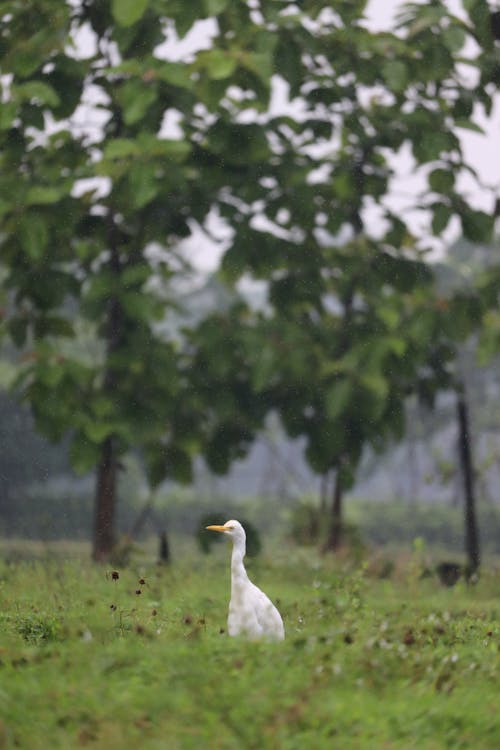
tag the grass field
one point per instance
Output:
(368, 662)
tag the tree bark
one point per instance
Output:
(107, 469)
(334, 538)
(164, 549)
(467, 467)
(105, 503)
(323, 492)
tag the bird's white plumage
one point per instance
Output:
(251, 612)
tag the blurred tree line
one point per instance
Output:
(114, 150)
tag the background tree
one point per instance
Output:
(353, 283)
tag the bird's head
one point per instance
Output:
(234, 529)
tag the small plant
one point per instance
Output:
(126, 618)
(36, 628)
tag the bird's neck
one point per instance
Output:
(238, 572)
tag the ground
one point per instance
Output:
(143, 660)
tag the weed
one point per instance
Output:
(39, 628)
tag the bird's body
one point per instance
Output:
(251, 612)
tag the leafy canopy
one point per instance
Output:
(92, 215)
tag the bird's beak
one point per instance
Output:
(217, 528)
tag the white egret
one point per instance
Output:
(251, 613)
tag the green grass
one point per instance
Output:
(85, 661)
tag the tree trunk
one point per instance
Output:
(466, 463)
(323, 492)
(141, 519)
(334, 539)
(105, 503)
(164, 549)
(105, 495)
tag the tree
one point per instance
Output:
(292, 188)
(92, 250)
(399, 91)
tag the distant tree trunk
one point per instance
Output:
(105, 503)
(323, 492)
(141, 519)
(334, 538)
(164, 549)
(105, 496)
(467, 467)
(414, 472)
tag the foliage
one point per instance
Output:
(352, 322)
(92, 218)
(400, 662)
(36, 628)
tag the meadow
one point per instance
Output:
(375, 656)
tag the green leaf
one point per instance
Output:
(395, 74)
(8, 111)
(389, 315)
(50, 375)
(214, 7)
(128, 12)
(397, 345)
(171, 149)
(376, 383)
(37, 90)
(466, 124)
(233, 265)
(430, 144)
(260, 63)
(337, 398)
(120, 148)
(343, 185)
(143, 184)
(453, 38)
(185, 15)
(442, 180)
(98, 431)
(264, 368)
(38, 195)
(218, 63)
(178, 464)
(33, 234)
(67, 79)
(441, 217)
(177, 74)
(135, 97)
(83, 453)
(238, 144)
(477, 225)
